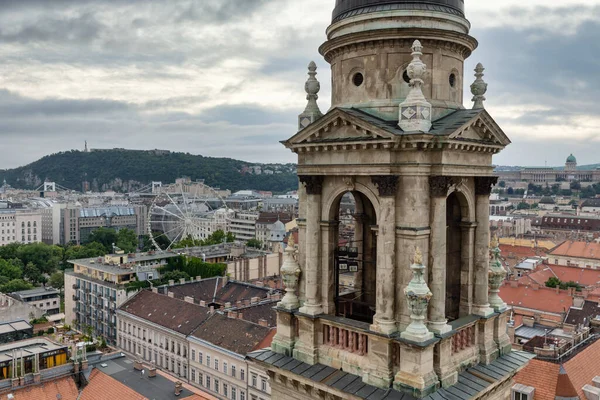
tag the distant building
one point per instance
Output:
(95, 288)
(20, 226)
(243, 225)
(15, 330)
(577, 254)
(265, 222)
(32, 356)
(567, 222)
(12, 309)
(44, 298)
(590, 206)
(542, 175)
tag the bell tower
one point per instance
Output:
(392, 290)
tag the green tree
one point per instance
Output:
(32, 273)
(575, 185)
(45, 257)
(105, 236)
(89, 250)
(10, 270)
(9, 251)
(523, 206)
(510, 191)
(127, 240)
(552, 282)
(15, 285)
(502, 184)
(254, 243)
(57, 280)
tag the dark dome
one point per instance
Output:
(349, 8)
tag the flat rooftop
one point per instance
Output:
(125, 268)
(14, 326)
(24, 294)
(28, 347)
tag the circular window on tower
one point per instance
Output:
(358, 79)
(452, 79)
(406, 77)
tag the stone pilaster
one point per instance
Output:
(285, 339)
(439, 186)
(466, 269)
(500, 333)
(384, 320)
(483, 189)
(314, 186)
(416, 374)
(488, 350)
(307, 343)
(328, 246)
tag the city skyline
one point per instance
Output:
(97, 71)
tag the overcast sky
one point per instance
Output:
(225, 77)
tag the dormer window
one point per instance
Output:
(522, 392)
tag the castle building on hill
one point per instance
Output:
(540, 175)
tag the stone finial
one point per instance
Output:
(496, 275)
(479, 88)
(291, 240)
(312, 86)
(290, 272)
(415, 110)
(418, 295)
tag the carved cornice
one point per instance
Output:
(313, 183)
(483, 185)
(439, 185)
(386, 184)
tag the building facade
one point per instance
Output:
(95, 288)
(20, 226)
(424, 313)
(43, 298)
(243, 225)
(542, 175)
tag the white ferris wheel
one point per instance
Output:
(186, 210)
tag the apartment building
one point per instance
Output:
(243, 225)
(95, 288)
(20, 225)
(43, 298)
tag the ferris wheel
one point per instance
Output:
(186, 210)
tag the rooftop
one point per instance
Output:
(13, 326)
(99, 264)
(174, 314)
(28, 346)
(583, 276)
(578, 250)
(62, 388)
(542, 299)
(24, 294)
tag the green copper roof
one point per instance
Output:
(571, 159)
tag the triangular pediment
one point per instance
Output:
(482, 129)
(339, 126)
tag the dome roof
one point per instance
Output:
(571, 159)
(349, 8)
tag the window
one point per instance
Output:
(200, 357)
(253, 378)
(208, 381)
(358, 79)
(201, 378)
(208, 360)
(225, 390)
(216, 385)
(233, 371)
(263, 384)
(193, 354)
(242, 395)
(224, 367)
(233, 393)
(242, 374)
(193, 375)
(522, 392)
(217, 364)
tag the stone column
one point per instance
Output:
(384, 320)
(466, 268)
(483, 189)
(312, 245)
(327, 266)
(439, 186)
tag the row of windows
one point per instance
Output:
(138, 332)
(216, 365)
(565, 220)
(216, 386)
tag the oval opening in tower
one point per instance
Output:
(406, 77)
(358, 79)
(452, 80)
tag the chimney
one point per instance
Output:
(154, 290)
(225, 279)
(263, 322)
(585, 293)
(254, 300)
(198, 278)
(238, 303)
(231, 314)
(246, 302)
(188, 299)
(171, 282)
(211, 310)
(571, 291)
(171, 294)
(178, 388)
(228, 305)
(202, 303)
(535, 286)
(182, 281)
(557, 289)
(596, 381)
(240, 315)
(259, 283)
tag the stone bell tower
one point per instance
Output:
(422, 313)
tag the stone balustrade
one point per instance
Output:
(463, 339)
(346, 339)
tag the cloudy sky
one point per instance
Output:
(225, 78)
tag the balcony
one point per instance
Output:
(345, 339)
(75, 286)
(75, 297)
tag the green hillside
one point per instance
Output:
(125, 170)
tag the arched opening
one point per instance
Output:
(355, 257)
(453, 256)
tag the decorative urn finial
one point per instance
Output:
(290, 272)
(479, 88)
(496, 275)
(312, 86)
(418, 295)
(415, 110)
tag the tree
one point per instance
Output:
(32, 273)
(15, 285)
(10, 270)
(9, 251)
(575, 185)
(105, 236)
(502, 184)
(127, 240)
(254, 243)
(89, 250)
(510, 191)
(552, 282)
(523, 206)
(57, 280)
(45, 257)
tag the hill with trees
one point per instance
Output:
(127, 170)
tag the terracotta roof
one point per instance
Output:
(543, 299)
(509, 251)
(168, 312)
(578, 250)
(66, 387)
(541, 244)
(583, 276)
(103, 387)
(233, 334)
(584, 367)
(254, 313)
(541, 375)
(564, 386)
(271, 217)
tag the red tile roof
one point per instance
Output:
(541, 375)
(543, 299)
(585, 277)
(49, 390)
(578, 250)
(584, 367)
(103, 387)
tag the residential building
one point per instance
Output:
(567, 222)
(279, 204)
(254, 266)
(576, 254)
(20, 226)
(243, 225)
(95, 288)
(265, 222)
(12, 309)
(590, 206)
(44, 298)
(51, 222)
